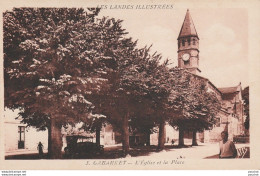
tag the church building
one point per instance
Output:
(231, 114)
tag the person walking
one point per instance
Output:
(40, 149)
(227, 147)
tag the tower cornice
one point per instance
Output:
(184, 37)
(180, 50)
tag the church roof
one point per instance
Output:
(188, 28)
(228, 90)
(206, 79)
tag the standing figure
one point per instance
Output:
(227, 147)
(172, 142)
(40, 149)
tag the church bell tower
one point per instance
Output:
(188, 46)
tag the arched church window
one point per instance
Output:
(183, 42)
(194, 42)
(188, 41)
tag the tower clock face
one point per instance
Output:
(185, 57)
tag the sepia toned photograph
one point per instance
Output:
(126, 85)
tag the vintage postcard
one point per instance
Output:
(130, 85)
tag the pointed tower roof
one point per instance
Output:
(188, 28)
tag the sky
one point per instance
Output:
(223, 34)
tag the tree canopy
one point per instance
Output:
(55, 59)
(195, 106)
(64, 66)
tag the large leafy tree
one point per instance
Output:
(157, 90)
(195, 106)
(55, 60)
(133, 87)
(163, 106)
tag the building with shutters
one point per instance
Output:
(19, 137)
(22, 139)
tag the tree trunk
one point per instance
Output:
(49, 141)
(98, 135)
(125, 137)
(148, 138)
(161, 139)
(194, 138)
(56, 140)
(181, 137)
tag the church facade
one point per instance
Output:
(231, 115)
